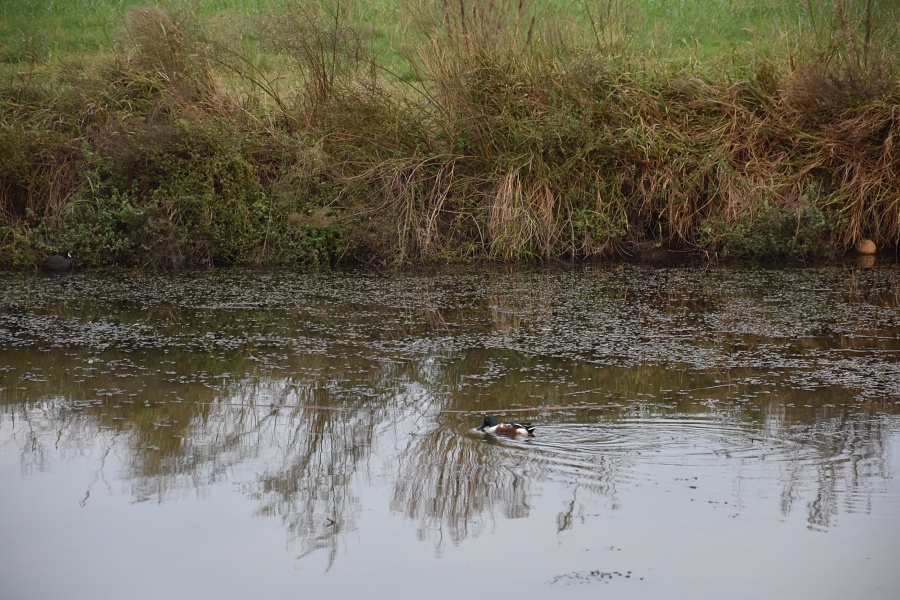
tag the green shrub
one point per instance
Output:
(18, 247)
(103, 231)
(775, 233)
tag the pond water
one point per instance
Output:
(701, 433)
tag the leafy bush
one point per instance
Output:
(775, 233)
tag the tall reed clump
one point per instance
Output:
(847, 106)
(541, 150)
(502, 160)
(536, 148)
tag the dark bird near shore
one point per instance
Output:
(57, 262)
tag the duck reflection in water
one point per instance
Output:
(492, 426)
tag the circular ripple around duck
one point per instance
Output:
(643, 449)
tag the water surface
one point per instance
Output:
(702, 433)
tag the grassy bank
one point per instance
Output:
(240, 132)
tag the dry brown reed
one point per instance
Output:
(168, 52)
(681, 161)
(40, 178)
(520, 219)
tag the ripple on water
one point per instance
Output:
(660, 438)
(791, 463)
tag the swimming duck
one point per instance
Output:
(57, 262)
(491, 425)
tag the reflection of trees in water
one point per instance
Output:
(43, 431)
(454, 484)
(838, 461)
(451, 484)
(320, 445)
(856, 449)
(590, 478)
(309, 484)
(310, 456)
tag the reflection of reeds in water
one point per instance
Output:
(862, 290)
(512, 304)
(451, 484)
(837, 460)
(310, 488)
(857, 451)
(308, 483)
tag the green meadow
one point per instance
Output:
(187, 134)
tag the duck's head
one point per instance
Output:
(488, 422)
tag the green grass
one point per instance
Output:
(709, 32)
(36, 31)
(39, 30)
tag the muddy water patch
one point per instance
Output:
(693, 427)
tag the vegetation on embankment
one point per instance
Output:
(467, 130)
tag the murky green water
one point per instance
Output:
(724, 433)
